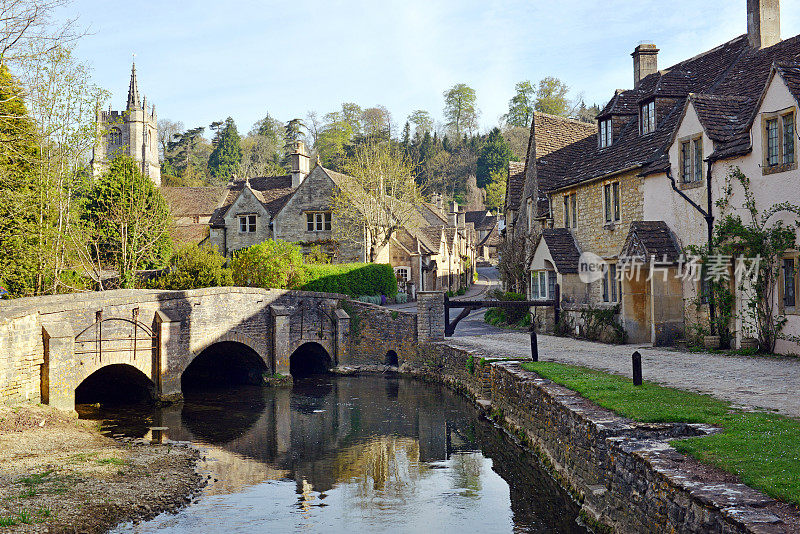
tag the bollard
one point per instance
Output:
(534, 345)
(637, 369)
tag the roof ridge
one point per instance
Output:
(565, 119)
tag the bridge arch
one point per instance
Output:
(116, 383)
(224, 363)
(310, 358)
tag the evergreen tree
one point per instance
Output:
(493, 156)
(406, 140)
(226, 157)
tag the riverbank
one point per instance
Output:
(625, 473)
(60, 474)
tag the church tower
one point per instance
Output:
(133, 132)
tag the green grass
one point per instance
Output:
(111, 461)
(762, 449)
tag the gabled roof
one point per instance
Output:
(271, 191)
(563, 249)
(188, 201)
(515, 184)
(482, 219)
(431, 237)
(189, 234)
(651, 239)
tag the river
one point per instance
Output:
(348, 454)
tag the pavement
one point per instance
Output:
(750, 382)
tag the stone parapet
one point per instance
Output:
(430, 315)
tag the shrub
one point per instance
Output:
(271, 264)
(461, 291)
(352, 279)
(193, 267)
(401, 298)
(514, 315)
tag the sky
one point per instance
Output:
(200, 61)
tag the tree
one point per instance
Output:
(496, 193)
(128, 222)
(270, 264)
(493, 157)
(377, 123)
(167, 130)
(422, 121)
(194, 267)
(551, 97)
(517, 140)
(376, 199)
(460, 109)
(226, 158)
(334, 136)
(187, 156)
(520, 107)
(586, 114)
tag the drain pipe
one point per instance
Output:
(709, 217)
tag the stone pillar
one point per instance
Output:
(430, 316)
(280, 339)
(58, 378)
(168, 338)
(342, 341)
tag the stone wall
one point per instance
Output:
(625, 474)
(246, 204)
(374, 331)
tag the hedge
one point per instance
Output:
(354, 279)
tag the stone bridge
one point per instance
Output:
(52, 346)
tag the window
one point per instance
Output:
(611, 202)
(543, 285)
(571, 210)
(612, 286)
(115, 136)
(529, 213)
(779, 142)
(692, 160)
(402, 274)
(247, 224)
(788, 283)
(648, 117)
(606, 133)
(318, 221)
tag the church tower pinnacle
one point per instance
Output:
(133, 91)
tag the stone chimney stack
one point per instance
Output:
(300, 163)
(645, 62)
(454, 214)
(763, 23)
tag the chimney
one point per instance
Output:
(454, 214)
(300, 163)
(645, 62)
(763, 23)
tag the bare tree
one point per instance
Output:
(167, 130)
(376, 199)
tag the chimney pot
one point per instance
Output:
(763, 23)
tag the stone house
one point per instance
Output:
(297, 208)
(626, 192)
(486, 233)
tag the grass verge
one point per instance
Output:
(762, 449)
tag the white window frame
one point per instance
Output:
(319, 221)
(404, 271)
(647, 117)
(247, 224)
(606, 136)
(540, 284)
(612, 208)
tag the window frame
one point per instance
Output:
(612, 203)
(406, 273)
(779, 143)
(647, 117)
(115, 136)
(786, 305)
(605, 136)
(571, 210)
(248, 223)
(319, 221)
(690, 156)
(612, 292)
(542, 284)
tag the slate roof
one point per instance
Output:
(563, 249)
(482, 219)
(515, 184)
(431, 237)
(271, 191)
(648, 239)
(189, 234)
(188, 201)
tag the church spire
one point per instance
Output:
(133, 91)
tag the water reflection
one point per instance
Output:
(344, 454)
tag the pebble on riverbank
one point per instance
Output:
(59, 474)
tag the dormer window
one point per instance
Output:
(606, 133)
(648, 117)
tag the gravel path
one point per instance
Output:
(752, 382)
